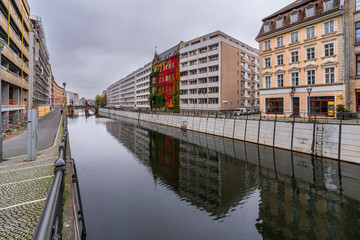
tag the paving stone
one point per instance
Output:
(20, 222)
(23, 192)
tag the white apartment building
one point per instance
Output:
(142, 86)
(132, 90)
(218, 72)
(113, 94)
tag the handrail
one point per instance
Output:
(80, 216)
(49, 226)
(50, 223)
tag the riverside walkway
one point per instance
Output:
(24, 185)
(48, 126)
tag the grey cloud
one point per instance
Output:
(94, 43)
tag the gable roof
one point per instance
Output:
(289, 7)
(168, 53)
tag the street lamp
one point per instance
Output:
(292, 93)
(309, 89)
(2, 44)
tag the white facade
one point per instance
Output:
(113, 94)
(142, 86)
(72, 98)
(132, 90)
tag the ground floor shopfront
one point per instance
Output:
(322, 100)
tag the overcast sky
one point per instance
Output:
(94, 43)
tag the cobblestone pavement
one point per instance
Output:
(23, 190)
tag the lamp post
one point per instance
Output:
(292, 93)
(2, 44)
(309, 89)
(64, 84)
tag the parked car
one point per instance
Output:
(251, 111)
(118, 107)
(137, 109)
(240, 111)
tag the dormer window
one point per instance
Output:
(267, 27)
(310, 10)
(279, 22)
(328, 4)
(294, 17)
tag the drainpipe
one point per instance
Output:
(348, 53)
(344, 45)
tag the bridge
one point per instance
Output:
(89, 110)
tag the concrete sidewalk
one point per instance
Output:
(48, 127)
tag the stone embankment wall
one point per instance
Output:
(327, 140)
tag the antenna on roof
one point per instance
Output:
(155, 49)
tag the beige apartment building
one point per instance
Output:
(302, 59)
(57, 94)
(14, 60)
(218, 72)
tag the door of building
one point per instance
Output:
(358, 101)
(296, 106)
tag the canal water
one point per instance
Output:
(144, 181)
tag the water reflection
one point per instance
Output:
(300, 197)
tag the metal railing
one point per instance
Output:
(50, 223)
(77, 195)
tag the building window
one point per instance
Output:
(279, 22)
(311, 77)
(357, 65)
(267, 82)
(329, 75)
(267, 62)
(280, 80)
(357, 32)
(274, 105)
(294, 57)
(267, 45)
(358, 101)
(310, 11)
(267, 27)
(310, 32)
(280, 60)
(294, 37)
(294, 17)
(328, 49)
(294, 79)
(280, 41)
(310, 53)
(329, 27)
(328, 4)
(357, 5)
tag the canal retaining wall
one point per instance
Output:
(327, 140)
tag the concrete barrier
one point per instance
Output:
(266, 134)
(299, 136)
(219, 127)
(203, 125)
(252, 131)
(350, 142)
(210, 128)
(229, 128)
(330, 147)
(239, 131)
(283, 135)
(303, 137)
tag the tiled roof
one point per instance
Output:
(168, 53)
(289, 7)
